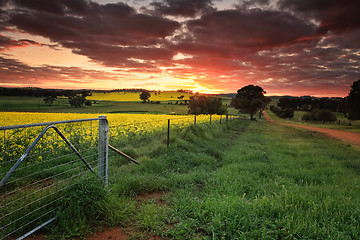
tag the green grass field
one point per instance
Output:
(34, 104)
(241, 180)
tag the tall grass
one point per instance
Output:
(250, 180)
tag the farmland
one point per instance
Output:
(35, 104)
(102, 103)
(134, 96)
(235, 180)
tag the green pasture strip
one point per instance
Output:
(244, 180)
(351, 128)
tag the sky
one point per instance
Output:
(288, 47)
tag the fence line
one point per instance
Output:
(32, 192)
(38, 166)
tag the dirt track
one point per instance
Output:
(349, 137)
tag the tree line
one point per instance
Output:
(249, 99)
(76, 98)
(320, 109)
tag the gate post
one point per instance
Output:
(103, 148)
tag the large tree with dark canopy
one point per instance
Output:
(250, 99)
(206, 105)
(144, 96)
(353, 101)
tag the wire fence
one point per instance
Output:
(122, 135)
(38, 166)
(40, 162)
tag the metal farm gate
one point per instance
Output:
(38, 165)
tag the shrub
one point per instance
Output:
(283, 113)
(319, 115)
(325, 115)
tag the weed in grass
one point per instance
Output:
(119, 210)
(152, 217)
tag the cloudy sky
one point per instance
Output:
(292, 47)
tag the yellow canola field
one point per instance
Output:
(135, 96)
(115, 119)
(83, 135)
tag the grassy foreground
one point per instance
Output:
(242, 180)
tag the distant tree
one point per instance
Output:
(144, 96)
(49, 100)
(77, 100)
(283, 113)
(205, 105)
(250, 99)
(289, 102)
(353, 101)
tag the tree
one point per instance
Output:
(283, 113)
(250, 99)
(144, 96)
(77, 100)
(353, 101)
(49, 100)
(205, 105)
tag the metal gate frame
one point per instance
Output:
(103, 142)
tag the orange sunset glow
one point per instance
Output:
(308, 47)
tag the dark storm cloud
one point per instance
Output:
(334, 15)
(186, 8)
(125, 57)
(79, 24)
(111, 24)
(59, 7)
(244, 30)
